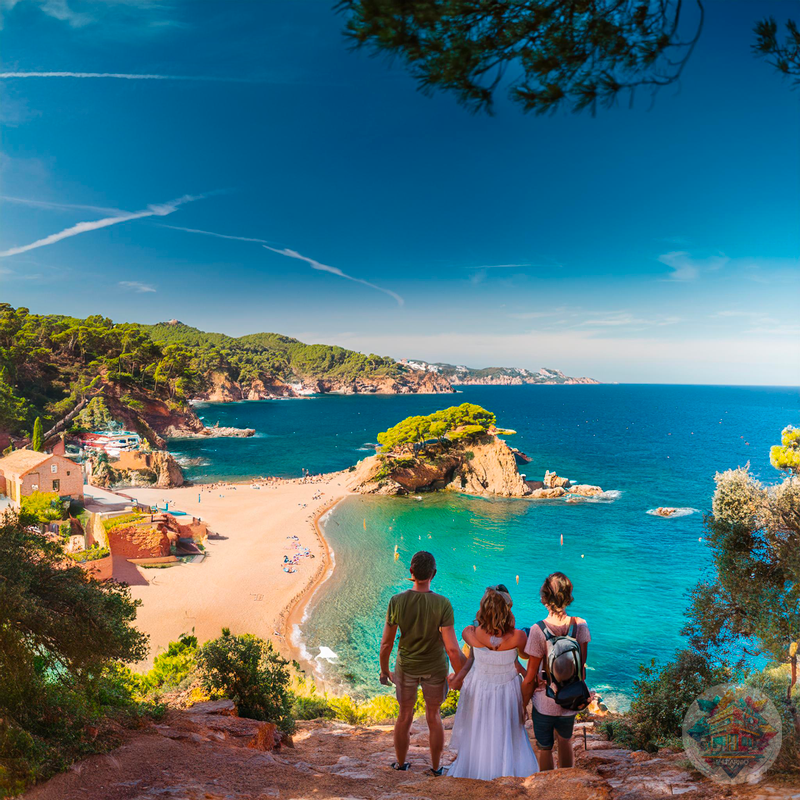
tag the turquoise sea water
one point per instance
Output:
(647, 445)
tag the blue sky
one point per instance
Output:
(646, 245)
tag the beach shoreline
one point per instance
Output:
(241, 584)
(294, 613)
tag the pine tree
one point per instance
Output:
(37, 441)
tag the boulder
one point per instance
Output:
(585, 490)
(547, 493)
(665, 511)
(553, 481)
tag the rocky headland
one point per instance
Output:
(457, 449)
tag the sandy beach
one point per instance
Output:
(240, 584)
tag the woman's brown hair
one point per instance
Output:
(556, 592)
(494, 615)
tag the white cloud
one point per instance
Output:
(158, 210)
(334, 271)
(687, 268)
(136, 286)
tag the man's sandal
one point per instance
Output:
(401, 768)
(437, 773)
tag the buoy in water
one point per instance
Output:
(474, 568)
(582, 555)
(517, 580)
(562, 538)
(365, 523)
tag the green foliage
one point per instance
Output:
(61, 635)
(752, 595)
(661, 697)
(37, 438)
(457, 422)
(575, 53)
(49, 363)
(95, 416)
(774, 682)
(173, 668)
(249, 671)
(786, 455)
(783, 55)
(92, 554)
(122, 520)
(42, 507)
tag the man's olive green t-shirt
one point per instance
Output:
(420, 615)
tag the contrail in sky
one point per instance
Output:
(59, 206)
(156, 210)
(217, 235)
(335, 271)
(127, 76)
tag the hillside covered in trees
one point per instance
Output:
(50, 363)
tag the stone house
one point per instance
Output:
(26, 471)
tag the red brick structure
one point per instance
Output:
(139, 541)
(26, 471)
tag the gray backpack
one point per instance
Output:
(570, 692)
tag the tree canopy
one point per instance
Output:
(576, 54)
(753, 595)
(49, 363)
(786, 455)
(60, 632)
(456, 422)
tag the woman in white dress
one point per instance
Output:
(488, 731)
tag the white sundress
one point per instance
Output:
(488, 731)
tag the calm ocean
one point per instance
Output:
(647, 446)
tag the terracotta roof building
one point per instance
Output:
(26, 471)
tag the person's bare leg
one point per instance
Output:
(435, 733)
(545, 760)
(402, 734)
(566, 756)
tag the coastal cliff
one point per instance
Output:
(221, 388)
(496, 376)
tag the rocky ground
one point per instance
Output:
(206, 753)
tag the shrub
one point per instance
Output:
(250, 672)
(42, 507)
(92, 554)
(62, 633)
(774, 682)
(662, 696)
(174, 667)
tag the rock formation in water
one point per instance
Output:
(483, 466)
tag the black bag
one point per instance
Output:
(573, 693)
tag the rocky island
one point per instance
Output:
(458, 449)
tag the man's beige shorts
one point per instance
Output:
(434, 688)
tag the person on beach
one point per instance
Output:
(489, 732)
(552, 722)
(427, 640)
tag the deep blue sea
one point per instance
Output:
(647, 446)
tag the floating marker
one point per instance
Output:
(517, 580)
(582, 555)
(562, 538)
(365, 523)
(474, 568)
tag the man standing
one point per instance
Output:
(427, 638)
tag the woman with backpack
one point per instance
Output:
(556, 673)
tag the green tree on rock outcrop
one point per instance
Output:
(457, 422)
